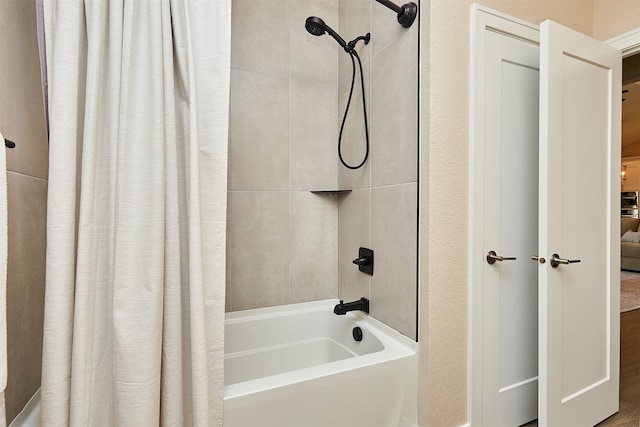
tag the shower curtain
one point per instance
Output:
(134, 308)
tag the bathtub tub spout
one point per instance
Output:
(362, 304)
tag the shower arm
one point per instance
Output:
(406, 13)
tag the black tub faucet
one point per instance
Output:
(362, 304)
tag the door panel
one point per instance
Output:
(505, 292)
(511, 176)
(578, 219)
(516, 290)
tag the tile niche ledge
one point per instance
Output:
(331, 193)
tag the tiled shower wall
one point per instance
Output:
(288, 93)
(282, 240)
(381, 211)
(22, 121)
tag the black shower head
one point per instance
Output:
(317, 27)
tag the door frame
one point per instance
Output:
(628, 43)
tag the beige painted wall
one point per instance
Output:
(612, 18)
(444, 181)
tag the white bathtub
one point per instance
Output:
(299, 365)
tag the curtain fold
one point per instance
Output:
(134, 309)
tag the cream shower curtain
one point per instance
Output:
(138, 103)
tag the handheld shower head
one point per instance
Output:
(317, 27)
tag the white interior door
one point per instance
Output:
(511, 226)
(579, 328)
(578, 303)
(505, 186)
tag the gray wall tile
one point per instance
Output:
(354, 232)
(313, 135)
(27, 216)
(258, 132)
(394, 112)
(384, 24)
(310, 57)
(314, 247)
(22, 108)
(316, 227)
(22, 120)
(260, 36)
(354, 135)
(355, 21)
(394, 239)
(259, 247)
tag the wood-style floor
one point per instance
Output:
(629, 413)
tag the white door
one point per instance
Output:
(506, 291)
(578, 213)
(579, 323)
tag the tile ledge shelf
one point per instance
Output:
(330, 193)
